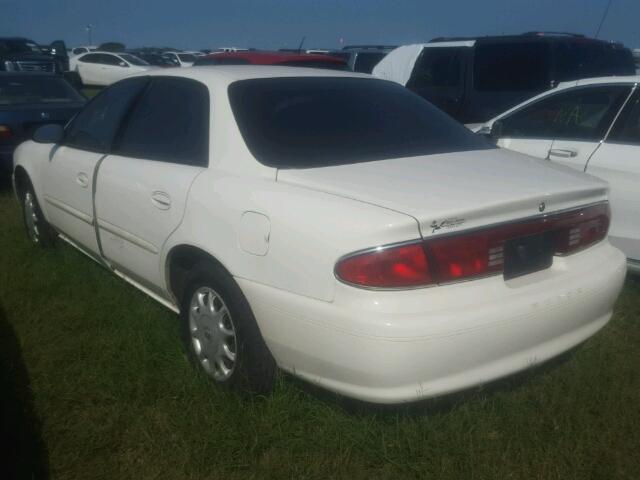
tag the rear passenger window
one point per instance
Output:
(583, 114)
(522, 67)
(437, 67)
(170, 123)
(627, 128)
(94, 128)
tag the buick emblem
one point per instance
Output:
(44, 115)
(541, 207)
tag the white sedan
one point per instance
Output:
(104, 68)
(328, 223)
(591, 125)
(181, 59)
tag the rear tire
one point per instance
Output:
(39, 232)
(220, 332)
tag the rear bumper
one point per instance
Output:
(390, 347)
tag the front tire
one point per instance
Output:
(38, 229)
(221, 334)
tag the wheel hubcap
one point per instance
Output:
(31, 217)
(213, 335)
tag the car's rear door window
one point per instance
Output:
(437, 67)
(170, 123)
(579, 114)
(95, 127)
(627, 127)
(520, 66)
(316, 121)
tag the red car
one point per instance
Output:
(273, 58)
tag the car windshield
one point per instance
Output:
(18, 46)
(133, 60)
(187, 57)
(19, 90)
(306, 122)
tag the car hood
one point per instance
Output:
(453, 191)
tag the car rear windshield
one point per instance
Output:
(306, 122)
(576, 60)
(365, 61)
(18, 90)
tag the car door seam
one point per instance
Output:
(94, 187)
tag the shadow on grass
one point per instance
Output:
(5, 182)
(23, 454)
(432, 406)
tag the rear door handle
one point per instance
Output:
(82, 179)
(563, 152)
(161, 200)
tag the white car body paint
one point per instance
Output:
(101, 74)
(380, 346)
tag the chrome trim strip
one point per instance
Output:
(538, 216)
(70, 210)
(150, 293)
(129, 237)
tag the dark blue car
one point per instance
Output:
(28, 100)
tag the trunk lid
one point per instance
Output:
(457, 191)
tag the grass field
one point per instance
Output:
(94, 385)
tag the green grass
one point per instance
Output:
(104, 391)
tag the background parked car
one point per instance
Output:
(83, 49)
(180, 59)
(273, 58)
(28, 100)
(24, 55)
(475, 79)
(362, 58)
(593, 126)
(154, 59)
(104, 68)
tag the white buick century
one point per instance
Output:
(327, 223)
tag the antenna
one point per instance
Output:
(301, 43)
(604, 16)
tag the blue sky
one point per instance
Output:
(271, 24)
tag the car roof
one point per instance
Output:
(596, 80)
(269, 57)
(231, 73)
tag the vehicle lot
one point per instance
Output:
(116, 397)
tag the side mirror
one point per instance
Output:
(123, 64)
(51, 133)
(492, 132)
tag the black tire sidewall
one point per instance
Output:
(255, 367)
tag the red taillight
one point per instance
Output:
(582, 228)
(470, 255)
(392, 267)
(5, 132)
